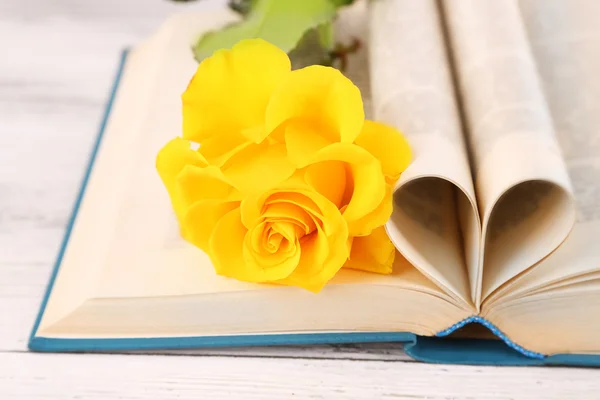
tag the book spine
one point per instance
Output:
(495, 331)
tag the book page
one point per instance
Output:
(523, 188)
(435, 224)
(145, 280)
(73, 283)
(565, 41)
(559, 300)
(148, 240)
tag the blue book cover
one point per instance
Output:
(441, 348)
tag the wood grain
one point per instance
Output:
(39, 376)
(57, 63)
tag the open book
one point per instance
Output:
(496, 220)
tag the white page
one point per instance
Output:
(512, 140)
(412, 90)
(104, 191)
(565, 40)
(561, 295)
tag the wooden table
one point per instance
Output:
(57, 60)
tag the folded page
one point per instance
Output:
(565, 41)
(435, 223)
(523, 188)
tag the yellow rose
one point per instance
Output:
(200, 193)
(289, 234)
(292, 234)
(360, 184)
(225, 102)
(290, 183)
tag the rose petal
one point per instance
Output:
(329, 179)
(272, 233)
(289, 211)
(372, 253)
(388, 145)
(302, 143)
(323, 98)
(231, 89)
(259, 168)
(253, 205)
(312, 262)
(170, 161)
(364, 186)
(201, 219)
(219, 149)
(256, 235)
(322, 257)
(173, 157)
(226, 246)
(274, 265)
(321, 253)
(379, 216)
(273, 241)
(195, 184)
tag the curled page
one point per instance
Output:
(435, 224)
(565, 41)
(523, 188)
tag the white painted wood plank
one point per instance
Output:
(40, 376)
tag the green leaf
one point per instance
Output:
(325, 32)
(242, 7)
(339, 3)
(280, 22)
(313, 48)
